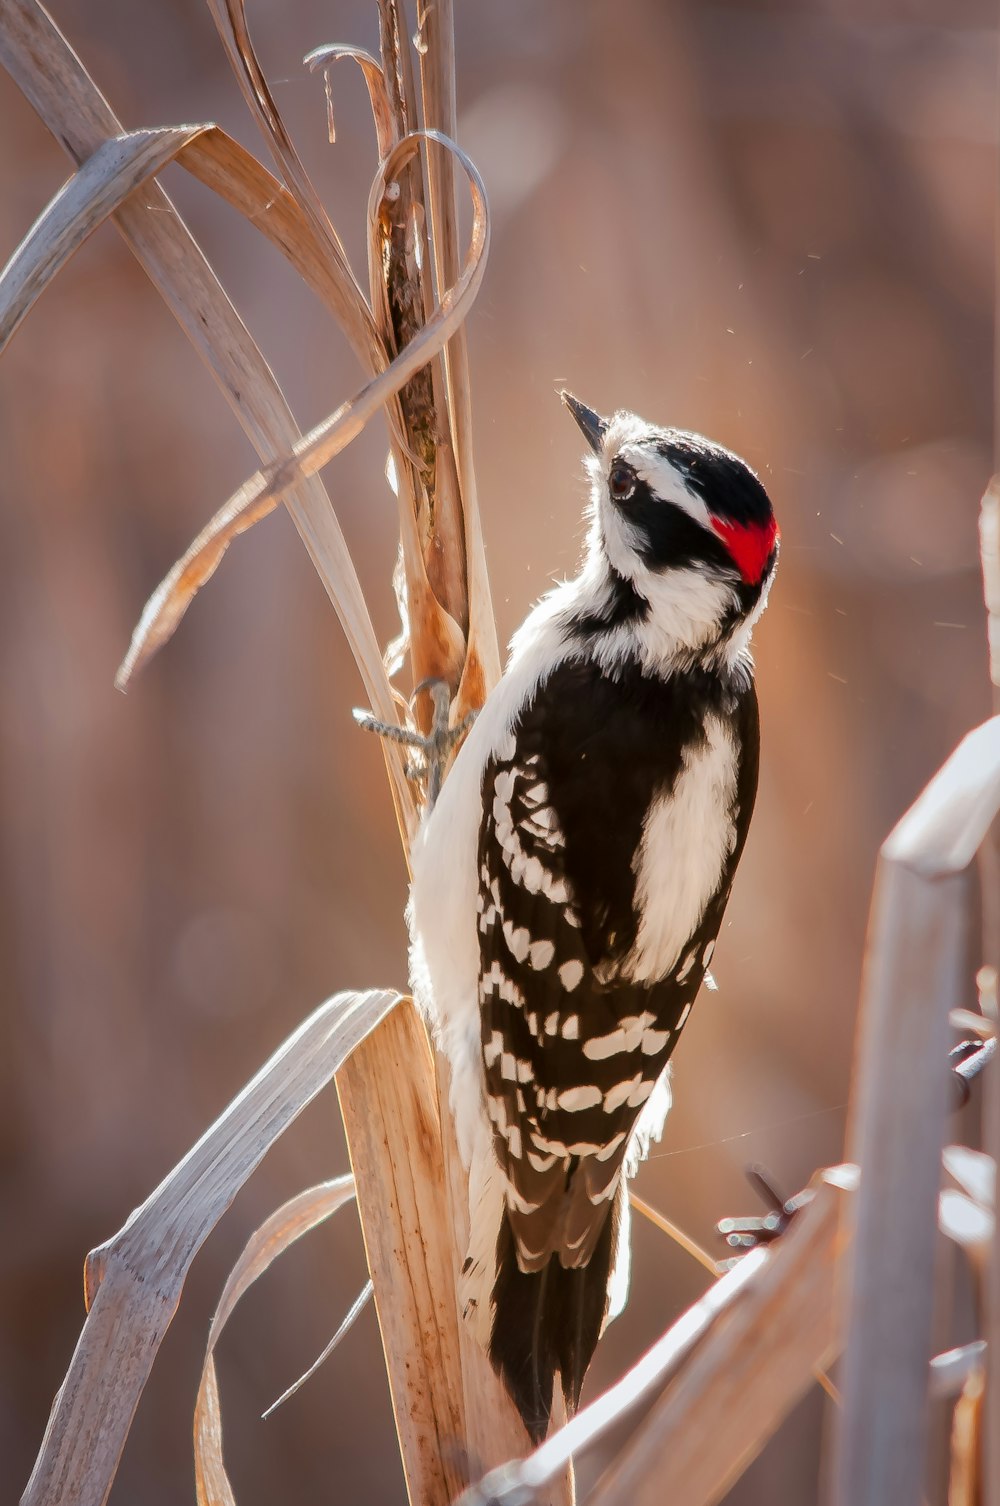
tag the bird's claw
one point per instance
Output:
(966, 1061)
(433, 748)
(745, 1234)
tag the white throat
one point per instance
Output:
(687, 607)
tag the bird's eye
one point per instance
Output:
(621, 481)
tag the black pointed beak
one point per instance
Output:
(592, 425)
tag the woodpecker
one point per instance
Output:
(570, 882)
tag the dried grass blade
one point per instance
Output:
(289, 1223)
(67, 99)
(914, 968)
(431, 541)
(261, 493)
(704, 1259)
(402, 299)
(96, 190)
(133, 1282)
(223, 165)
(749, 1370)
(387, 1095)
(671, 1230)
(322, 59)
(188, 1203)
(352, 310)
(965, 1483)
(408, 289)
(393, 47)
(942, 831)
(437, 87)
(352, 1315)
(437, 75)
(989, 553)
(989, 889)
(102, 183)
(120, 165)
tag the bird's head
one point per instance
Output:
(683, 522)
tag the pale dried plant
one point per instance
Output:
(855, 1265)
(408, 337)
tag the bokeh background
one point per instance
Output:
(772, 222)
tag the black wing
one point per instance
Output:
(571, 1050)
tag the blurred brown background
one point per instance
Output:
(772, 222)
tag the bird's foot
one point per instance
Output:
(745, 1234)
(965, 1061)
(432, 749)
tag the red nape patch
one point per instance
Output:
(749, 544)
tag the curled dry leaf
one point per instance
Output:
(119, 166)
(441, 651)
(103, 182)
(133, 1283)
(351, 311)
(323, 58)
(261, 493)
(236, 175)
(96, 190)
(71, 105)
(283, 1228)
(354, 1312)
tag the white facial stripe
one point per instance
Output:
(621, 541)
(665, 481)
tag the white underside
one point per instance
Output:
(444, 954)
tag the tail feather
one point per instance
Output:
(548, 1322)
